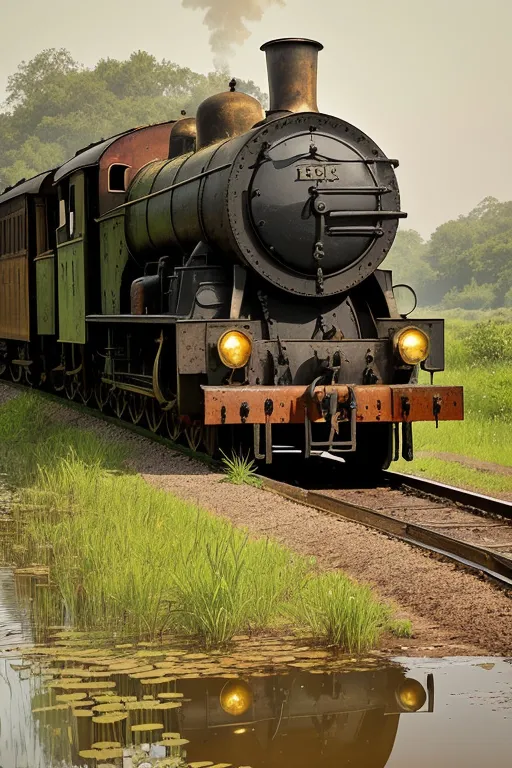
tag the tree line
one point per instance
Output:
(55, 106)
(466, 263)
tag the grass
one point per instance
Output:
(401, 628)
(136, 561)
(345, 613)
(240, 470)
(478, 357)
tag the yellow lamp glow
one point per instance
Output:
(411, 695)
(413, 345)
(234, 349)
(236, 697)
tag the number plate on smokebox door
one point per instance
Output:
(328, 172)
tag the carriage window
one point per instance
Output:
(62, 212)
(72, 211)
(117, 176)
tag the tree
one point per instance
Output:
(55, 106)
(407, 260)
(475, 250)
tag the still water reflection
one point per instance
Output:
(163, 708)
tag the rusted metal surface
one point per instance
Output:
(380, 403)
(225, 115)
(134, 149)
(292, 74)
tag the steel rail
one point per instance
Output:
(497, 567)
(471, 499)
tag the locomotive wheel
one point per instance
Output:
(136, 407)
(154, 414)
(101, 394)
(194, 434)
(374, 451)
(16, 372)
(71, 384)
(28, 377)
(118, 402)
(173, 425)
(85, 392)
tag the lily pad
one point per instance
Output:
(105, 745)
(201, 764)
(91, 685)
(147, 727)
(168, 705)
(110, 717)
(83, 713)
(53, 708)
(71, 696)
(101, 754)
(111, 707)
(157, 680)
(170, 695)
(172, 742)
(104, 698)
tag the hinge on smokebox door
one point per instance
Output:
(332, 415)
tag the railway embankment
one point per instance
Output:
(116, 504)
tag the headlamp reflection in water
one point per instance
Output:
(411, 695)
(236, 697)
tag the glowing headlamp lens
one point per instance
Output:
(413, 345)
(234, 349)
(411, 695)
(236, 697)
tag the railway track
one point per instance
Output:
(468, 528)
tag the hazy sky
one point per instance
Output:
(430, 82)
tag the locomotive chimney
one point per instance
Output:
(292, 74)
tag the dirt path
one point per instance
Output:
(467, 461)
(453, 612)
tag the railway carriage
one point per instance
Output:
(219, 278)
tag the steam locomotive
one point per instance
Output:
(218, 278)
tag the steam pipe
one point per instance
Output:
(292, 74)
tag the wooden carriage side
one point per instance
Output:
(26, 236)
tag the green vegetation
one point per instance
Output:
(401, 628)
(55, 106)
(347, 614)
(478, 357)
(240, 470)
(130, 559)
(467, 263)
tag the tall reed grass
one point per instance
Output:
(135, 560)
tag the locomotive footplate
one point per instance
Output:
(297, 404)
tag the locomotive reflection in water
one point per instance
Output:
(219, 279)
(293, 719)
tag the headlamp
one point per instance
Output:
(234, 349)
(411, 695)
(413, 345)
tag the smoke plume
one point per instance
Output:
(226, 20)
